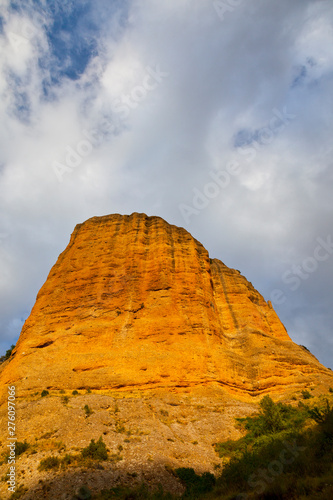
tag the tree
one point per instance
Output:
(273, 421)
(322, 415)
(7, 355)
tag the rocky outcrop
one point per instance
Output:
(134, 302)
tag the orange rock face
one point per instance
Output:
(134, 302)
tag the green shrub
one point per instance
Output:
(68, 460)
(272, 415)
(21, 490)
(309, 468)
(44, 393)
(84, 493)
(88, 410)
(120, 428)
(115, 457)
(139, 493)
(21, 447)
(49, 434)
(7, 355)
(195, 485)
(322, 415)
(330, 389)
(65, 400)
(96, 451)
(49, 463)
(75, 393)
(231, 448)
(274, 418)
(306, 395)
(9, 351)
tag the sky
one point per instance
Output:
(214, 115)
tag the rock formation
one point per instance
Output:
(134, 302)
(140, 338)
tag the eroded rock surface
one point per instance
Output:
(134, 302)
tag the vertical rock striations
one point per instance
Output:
(136, 302)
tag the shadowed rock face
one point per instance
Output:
(134, 302)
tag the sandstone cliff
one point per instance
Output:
(142, 339)
(134, 302)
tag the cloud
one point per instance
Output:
(76, 88)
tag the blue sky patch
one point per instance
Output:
(72, 39)
(73, 31)
(74, 35)
(300, 77)
(245, 137)
(21, 107)
(304, 73)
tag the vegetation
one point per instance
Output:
(49, 434)
(21, 447)
(75, 393)
(195, 485)
(281, 456)
(306, 395)
(84, 493)
(286, 452)
(7, 355)
(44, 393)
(88, 411)
(322, 415)
(20, 491)
(49, 463)
(96, 451)
(120, 428)
(140, 493)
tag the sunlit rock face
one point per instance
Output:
(134, 302)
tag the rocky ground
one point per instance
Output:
(147, 435)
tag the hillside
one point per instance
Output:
(138, 337)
